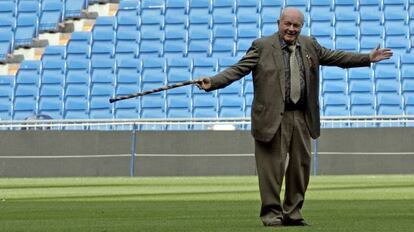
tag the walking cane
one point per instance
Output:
(166, 87)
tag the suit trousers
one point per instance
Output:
(291, 138)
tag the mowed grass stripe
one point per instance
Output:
(334, 203)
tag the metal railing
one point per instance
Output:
(196, 123)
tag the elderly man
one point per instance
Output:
(285, 110)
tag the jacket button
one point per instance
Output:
(281, 113)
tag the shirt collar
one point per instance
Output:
(284, 45)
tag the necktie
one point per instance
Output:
(294, 75)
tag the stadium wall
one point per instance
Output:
(193, 153)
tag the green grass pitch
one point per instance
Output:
(333, 203)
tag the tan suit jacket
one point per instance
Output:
(264, 59)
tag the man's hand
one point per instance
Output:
(204, 83)
(379, 54)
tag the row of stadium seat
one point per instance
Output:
(22, 21)
(339, 27)
(81, 89)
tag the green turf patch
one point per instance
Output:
(334, 203)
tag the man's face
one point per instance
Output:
(290, 25)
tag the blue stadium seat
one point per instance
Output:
(76, 108)
(389, 104)
(100, 108)
(26, 30)
(51, 89)
(78, 71)
(199, 42)
(154, 105)
(7, 24)
(335, 104)
(51, 106)
(247, 7)
(372, 34)
(245, 37)
(396, 33)
(370, 10)
(409, 104)
(224, 7)
(152, 7)
(361, 89)
(248, 96)
(231, 99)
(73, 8)
(346, 13)
(317, 3)
(407, 66)
(204, 67)
(248, 25)
(102, 70)
(322, 14)
(230, 106)
(386, 72)
(324, 33)
(302, 5)
(223, 41)
(128, 82)
(176, 14)
(179, 70)
(77, 89)
(79, 46)
(200, 14)
(333, 73)
(127, 109)
(103, 44)
(129, 72)
(179, 106)
(200, 21)
(24, 108)
(346, 35)
(362, 104)
(361, 86)
(127, 38)
(408, 87)
(175, 42)
(54, 52)
(51, 15)
(28, 8)
(128, 8)
(105, 23)
(7, 9)
(204, 103)
(151, 43)
(6, 44)
(152, 16)
(270, 12)
(6, 93)
(53, 71)
(27, 89)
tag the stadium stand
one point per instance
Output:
(147, 44)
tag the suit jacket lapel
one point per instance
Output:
(278, 60)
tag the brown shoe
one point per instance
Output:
(290, 222)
